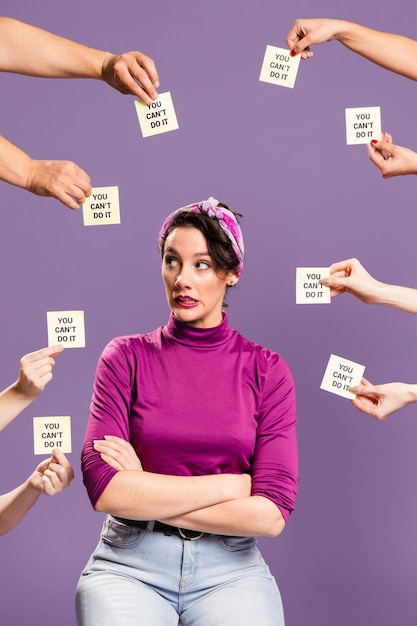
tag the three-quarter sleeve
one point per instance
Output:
(275, 461)
(109, 414)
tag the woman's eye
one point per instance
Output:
(171, 261)
(203, 265)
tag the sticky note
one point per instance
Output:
(278, 67)
(102, 207)
(66, 327)
(157, 117)
(308, 289)
(50, 433)
(341, 374)
(363, 125)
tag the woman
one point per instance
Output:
(211, 418)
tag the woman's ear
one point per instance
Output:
(232, 280)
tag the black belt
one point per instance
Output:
(159, 527)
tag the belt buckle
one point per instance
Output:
(183, 534)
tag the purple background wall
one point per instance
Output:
(348, 555)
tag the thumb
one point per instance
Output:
(334, 281)
(365, 390)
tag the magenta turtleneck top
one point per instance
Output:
(195, 401)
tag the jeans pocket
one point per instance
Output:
(236, 544)
(121, 535)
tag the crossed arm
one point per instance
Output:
(218, 503)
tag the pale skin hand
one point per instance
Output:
(118, 453)
(241, 516)
(63, 180)
(132, 73)
(306, 32)
(34, 374)
(52, 476)
(351, 277)
(392, 52)
(381, 401)
(392, 160)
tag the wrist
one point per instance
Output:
(411, 393)
(380, 293)
(23, 395)
(343, 30)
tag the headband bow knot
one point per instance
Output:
(226, 219)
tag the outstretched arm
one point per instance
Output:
(393, 52)
(34, 374)
(381, 401)
(62, 180)
(351, 277)
(26, 49)
(50, 477)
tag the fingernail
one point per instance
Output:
(374, 140)
(293, 53)
(324, 281)
(156, 84)
(353, 389)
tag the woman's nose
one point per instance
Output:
(183, 278)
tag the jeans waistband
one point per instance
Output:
(160, 527)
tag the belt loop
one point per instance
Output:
(150, 525)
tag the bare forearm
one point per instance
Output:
(397, 297)
(143, 495)
(12, 402)
(29, 50)
(252, 516)
(15, 504)
(393, 52)
(15, 165)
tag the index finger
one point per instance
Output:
(150, 67)
(292, 37)
(51, 351)
(341, 266)
(59, 457)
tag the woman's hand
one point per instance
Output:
(118, 453)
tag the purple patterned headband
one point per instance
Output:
(226, 219)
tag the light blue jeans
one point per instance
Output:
(141, 578)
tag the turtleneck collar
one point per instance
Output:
(188, 335)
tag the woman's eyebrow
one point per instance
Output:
(173, 251)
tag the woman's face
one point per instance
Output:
(194, 289)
